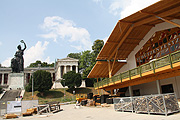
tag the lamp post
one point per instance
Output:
(32, 83)
(64, 90)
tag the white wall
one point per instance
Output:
(151, 88)
(131, 61)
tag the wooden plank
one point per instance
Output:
(152, 18)
(162, 69)
(148, 73)
(122, 40)
(143, 80)
(176, 64)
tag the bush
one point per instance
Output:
(42, 81)
(71, 79)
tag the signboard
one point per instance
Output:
(13, 106)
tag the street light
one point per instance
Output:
(64, 90)
(32, 83)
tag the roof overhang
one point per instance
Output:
(129, 31)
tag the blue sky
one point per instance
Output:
(54, 28)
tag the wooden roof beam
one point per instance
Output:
(163, 19)
(112, 42)
(152, 18)
(121, 42)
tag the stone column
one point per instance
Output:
(76, 69)
(65, 71)
(130, 91)
(158, 86)
(60, 71)
(2, 79)
(71, 68)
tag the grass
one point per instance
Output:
(57, 95)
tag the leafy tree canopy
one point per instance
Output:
(87, 59)
(42, 81)
(42, 64)
(71, 79)
(74, 55)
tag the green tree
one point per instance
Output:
(97, 46)
(42, 64)
(74, 55)
(87, 59)
(42, 81)
(71, 79)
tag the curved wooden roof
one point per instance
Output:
(129, 31)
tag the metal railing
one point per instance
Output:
(151, 66)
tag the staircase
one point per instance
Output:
(11, 95)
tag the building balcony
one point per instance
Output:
(164, 67)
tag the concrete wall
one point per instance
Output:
(151, 88)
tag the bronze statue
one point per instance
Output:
(17, 63)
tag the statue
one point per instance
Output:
(17, 63)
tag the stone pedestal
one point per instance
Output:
(83, 83)
(16, 80)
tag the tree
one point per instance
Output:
(97, 46)
(74, 55)
(43, 64)
(87, 59)
(71, 79)
(42, 81)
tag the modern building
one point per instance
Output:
(142, 54)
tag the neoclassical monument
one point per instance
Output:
(61, 67)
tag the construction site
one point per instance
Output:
(137, 74)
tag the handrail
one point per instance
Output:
(151, 66)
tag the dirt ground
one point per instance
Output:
(97, 113)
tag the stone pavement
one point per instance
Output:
(97, 113)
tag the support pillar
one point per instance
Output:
(2, 79)
(158, 86)
(71, 68)
(76, 69)
(130, 91)
(65, 71)
(112, 91)
(60, 73)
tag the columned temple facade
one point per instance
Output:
(61, 67)
(65, 65)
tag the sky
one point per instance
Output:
(52, 29)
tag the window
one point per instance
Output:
(167, 88)
(136, 92)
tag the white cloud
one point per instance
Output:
(125, 8)
(77, 47)
(57, 27)
(35, 53)
(0, 43)
(136, 5)
(7, 62)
